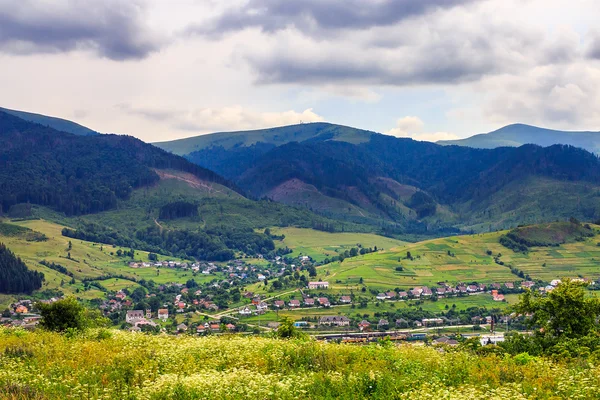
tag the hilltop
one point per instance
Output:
(58, 124)
(314, 131)
(516, 135)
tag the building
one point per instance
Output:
(336, 320)
(432, 321)
(294, 303)
(279, 303)
(381, 296)
(491, 339)
(318, 285)
(245, 311)
(324, 301)
(148, 314)
(345, 299)
(309, 302)
(163, 314)
(133, 316)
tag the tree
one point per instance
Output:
(138, 294)
(287, 330)
(67, 314)
(565, 312)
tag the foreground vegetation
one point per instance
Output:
(107, 364)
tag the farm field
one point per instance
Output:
(462, 259)
(320, 245)
(87, 260)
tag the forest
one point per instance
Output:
(15, 277)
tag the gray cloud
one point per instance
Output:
(315, 16)
(112, 28)
(593, 50)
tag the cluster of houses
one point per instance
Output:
(20, 314)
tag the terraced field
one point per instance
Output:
(462, 259)
(320, 245)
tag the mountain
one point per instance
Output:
(272, 137)
(519, 134)
(416, 187)
(59, 124)
(79, 174)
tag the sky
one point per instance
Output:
(426, 69)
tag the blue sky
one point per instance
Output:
(427, 69)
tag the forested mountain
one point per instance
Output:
(78, 174)
(421, 185)
(314, 131)
(519, 134)
(59, 124)
(14, 275)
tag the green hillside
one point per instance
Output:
(87, 261)
(316, 131)
(59, 124)
(470, 258)
(519, 134)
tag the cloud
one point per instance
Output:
(559, 96)
(113, 29)
(412, 127)
(207, 120)
(593, 50)
(313, 17)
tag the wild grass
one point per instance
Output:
(122, 365)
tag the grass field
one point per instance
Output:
(88, 260)
(320, 245)
(462, 259)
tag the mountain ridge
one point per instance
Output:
(59, 124)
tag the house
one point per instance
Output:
(440, 291)
(528, 284)
(245, 311)
(134, 315)
(416, 292)
(294, 303)
(300, 324)
(200, 329)
(273, 325)
(390, 295)
(432, 321)
(21, 309)
(345, 299)
(381, 296)
(324, 301)
(383, 324)
(262, 306)
(309, 302)
(446, 341)
(182, 327)
(334, 320)
(509, 285)
(426, 291)
(318, 285)
(403, 295)
(163, 314)
(555, 282)
(214, 327)
(230, 327)
(279, 303)
(148, 314)
(364, 324)
(121, 296)
(472, 288)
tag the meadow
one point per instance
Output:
(320, 245)
(121, 365)
(468, 258)
(87, 261)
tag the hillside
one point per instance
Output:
(469, 258)
(519, 134)
(78, 174)
(314, 131)
(58, 124)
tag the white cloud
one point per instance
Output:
(412, 127)
(208, 120)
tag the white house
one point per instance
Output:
(134, 315)
(163, 314)
(245, 311)
(491, 339)
(318, 285)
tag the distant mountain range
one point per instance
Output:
(352, 176)
(519, 134)
(368, 177)
(52, 122)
